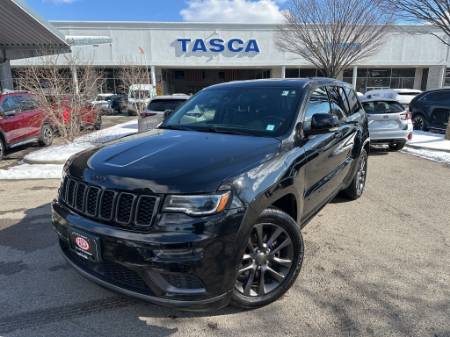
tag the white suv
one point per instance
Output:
(403, 96)
(389, 122)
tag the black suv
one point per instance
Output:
(208, 208)
(431, 110)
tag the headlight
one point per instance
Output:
(197, 204)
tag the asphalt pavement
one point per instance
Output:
(378, 266)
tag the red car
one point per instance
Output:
(90, 116)
(22, 122)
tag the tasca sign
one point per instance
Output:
(217, 45)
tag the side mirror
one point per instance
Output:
(167, 113)
(322, 123)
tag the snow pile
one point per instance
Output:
(58, 154)
(429, 141)
(429, 145)
(27, 171)
(47, 163)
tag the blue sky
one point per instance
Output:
(160, 10)
(140, 10)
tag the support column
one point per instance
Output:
(435, 77)
(6, 81)
(75, 80)
(418, 78)
(278, 72)
(153, 78)
(354, 77)
(283, 72)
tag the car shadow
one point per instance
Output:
(33, 254)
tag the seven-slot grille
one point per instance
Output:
(116, 208)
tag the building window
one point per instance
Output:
(382, 78)
(447, 78)
(292, 73)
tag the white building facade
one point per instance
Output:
(185, 57)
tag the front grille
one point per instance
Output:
(113, 207)
(111, 272)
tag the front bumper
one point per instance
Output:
(183, 262)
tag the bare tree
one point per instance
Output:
(63, 90)
(333, 34)
(136, 80)
(434, 12)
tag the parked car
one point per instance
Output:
(161, 106)
(139, 96)
(164, 105)
(103, 103)
(119, 103)
(403, 96)
(22, 122)
(431, 110)
(90, 115)
(389, 123)
(208, 208)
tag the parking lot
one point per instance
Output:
(375, 267)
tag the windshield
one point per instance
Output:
(140, 94)
(264, 111)
(103, 98)
(382, 107)
(165, 104)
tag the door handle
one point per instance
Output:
(338, 134)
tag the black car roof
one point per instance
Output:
(280, 82)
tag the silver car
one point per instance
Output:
(389, 122)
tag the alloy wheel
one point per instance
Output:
(47, 135)
(418, 123)
(361, 175)
(266, 262)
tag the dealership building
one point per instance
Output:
(185, 57)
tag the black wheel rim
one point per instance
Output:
(266, 262)
(361, 175)
(418, 123)
(47, 135)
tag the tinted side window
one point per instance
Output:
(436, 97)
(353, 102)
(9, 104)
(338, 103)
(26, 102)
(318, 104)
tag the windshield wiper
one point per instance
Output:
(218, 129)
(177, 127)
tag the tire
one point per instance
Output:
(396, 146)
(98, 122)
(356, 188)
(47, 135)
(2, 148)
(262, 257)
(420, 123)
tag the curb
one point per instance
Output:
(43, 162)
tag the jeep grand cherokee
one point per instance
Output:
(207, 209)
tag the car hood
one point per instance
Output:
(170, 161)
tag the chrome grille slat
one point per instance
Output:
(114, 208)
